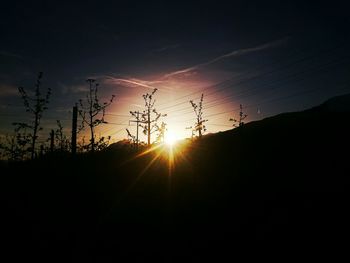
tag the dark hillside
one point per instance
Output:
(280, 183)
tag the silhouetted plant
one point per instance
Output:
(138, 120)
(131, 138)
(242, 116)
(161, 132)
(16, 147)
(2, 152)
(44, 148)
(35, 105)
(149, 123)
(198, 110)
(92, 114)
(9, 148)
(102, 143)
(81, 145)
(61, 139)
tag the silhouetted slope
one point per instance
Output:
(281, 183)
(290, 146)
(337, 104)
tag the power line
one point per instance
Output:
(242, 80)
(341, 87)
(246, 91)
(228, 99)
(117, 115)
(292, 77)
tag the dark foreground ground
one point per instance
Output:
(278, 186)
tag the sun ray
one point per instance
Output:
(170, 138)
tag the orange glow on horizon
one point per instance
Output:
(172, 99)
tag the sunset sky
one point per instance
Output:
(270, 56)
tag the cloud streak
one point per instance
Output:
(164, 83)
(8, 90)
(73, 89)
(234, 53)
(131, 82)
(166, 48)
(9, 54)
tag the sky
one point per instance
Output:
(269, 56)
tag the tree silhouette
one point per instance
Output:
(161, 132)
(35, 105)
(149, 123)
(16, 147)
(198, 110)
(102, 143)
(242, 116)
(137, 116)
(92, 113)
(81, 145)
(61, 138)
(131, 138)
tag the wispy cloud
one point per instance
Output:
(69, 89)
(136, 105)
(132, 82)
(10, 54)
(8, 90)
(165, 83)
(231, 54)
(166, 48)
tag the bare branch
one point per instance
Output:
(92, 113)
(198, 110)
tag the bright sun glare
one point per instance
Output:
(170, 138)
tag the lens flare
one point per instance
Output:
(170, 138)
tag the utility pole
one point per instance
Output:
(52, 140)
(90, 115)
(192, 131)
(137, 129)
(136, 114)
(149, 126)
(199, 127)
(146, 115)
(74, 130)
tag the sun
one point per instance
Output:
(170, 138)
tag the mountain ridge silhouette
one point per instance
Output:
(273, 183)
